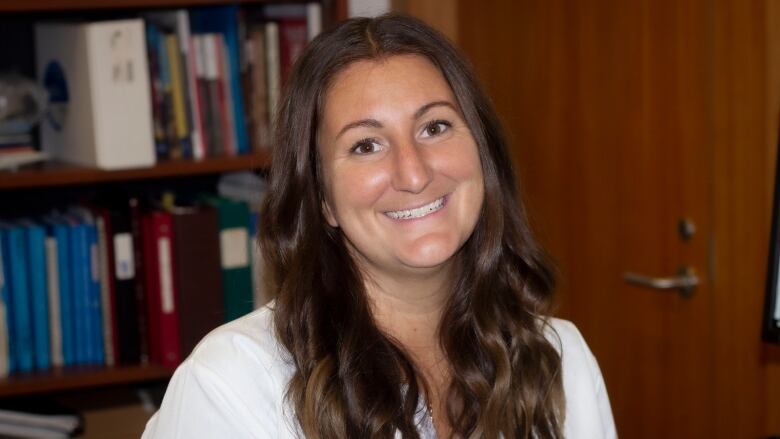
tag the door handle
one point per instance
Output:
(685, 281)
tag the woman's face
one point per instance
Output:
(402, 173)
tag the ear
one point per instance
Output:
(328, 213)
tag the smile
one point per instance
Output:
(418, 212)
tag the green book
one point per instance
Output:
(235, 255)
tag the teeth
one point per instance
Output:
(418, 212)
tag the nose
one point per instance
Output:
(412, 172)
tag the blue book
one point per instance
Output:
(36, 271)
(5, 355)
(21, 334)
(97, 350)
(58, 229)
(80, 289)
(90, 276)
(224, 20)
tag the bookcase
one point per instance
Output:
(37, 187)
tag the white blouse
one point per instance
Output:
(233, 386)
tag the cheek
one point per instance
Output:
(356, 189)
(460, 162)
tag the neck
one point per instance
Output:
(409, 308)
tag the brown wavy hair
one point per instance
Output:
(352, 380)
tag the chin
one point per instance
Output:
(430, 256)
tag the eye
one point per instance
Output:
(435, 127)
(365, 146)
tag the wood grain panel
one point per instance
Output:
(588, 90)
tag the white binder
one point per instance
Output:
(98, 80)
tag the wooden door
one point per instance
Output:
(613, 109)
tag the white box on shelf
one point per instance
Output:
(98, 81)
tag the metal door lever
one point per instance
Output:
(685, 281)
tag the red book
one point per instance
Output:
(293, 36)
(224, 100)
(164, 346)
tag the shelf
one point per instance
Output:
(54, 173)
(59, 5)
(59, 379)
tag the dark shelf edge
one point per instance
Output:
(76, 378)
(70, 175)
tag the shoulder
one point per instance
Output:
(588, 412)
(247, 344)
(232, 385)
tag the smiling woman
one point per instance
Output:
(412, 299)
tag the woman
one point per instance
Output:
(412, 298)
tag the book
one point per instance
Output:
(94, 311)
(80, 289)
(274, 69)
(107, 288)
(175, 150)
(162, 149)
(97, 70)
(5, 359)
(293, 36)
(64, 333)
(198, 273)
(164, 341)
(313, 19)
(124, 279)
(257, 87)
(20, 329)
(35, 236)
(53, 287)
(226, 96)
(179, 21)
(136, 227)
(224, 20)
(234, 255)
(218, 125)
(179, 98)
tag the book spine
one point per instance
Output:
(140, 295)
(124, 275)
(106, 289)
(162, 149)
(20, 302)
(226, 77)
(204, 92)
(195, 100)
(313, 19)
(65, 269)
(97, 353)
(168, 108)
(216, 93)
(168, 317)
(261, 134)
(53, 282)
(152, 287)
(273, 64)
(178, 95)
(80, 289)
(5, 354)
(292, 40)
(36, 237)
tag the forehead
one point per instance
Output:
(370, 88)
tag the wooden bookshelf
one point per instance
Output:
(55, 173)
(63, 379)
(33, 6)
(18, 16)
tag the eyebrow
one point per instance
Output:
(373, 123)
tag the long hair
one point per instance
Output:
(351, 380)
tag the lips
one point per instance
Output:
(418, 212)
